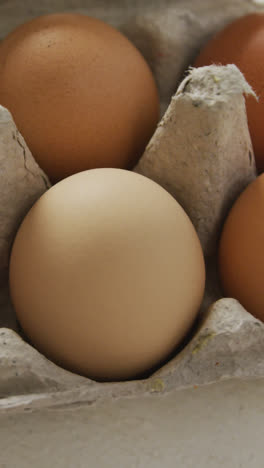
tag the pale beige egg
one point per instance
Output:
(107, 274)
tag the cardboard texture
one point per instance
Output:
(183, 157)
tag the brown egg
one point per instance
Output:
(242, 43)
(241, 251)
(107, 274)
(80, 93)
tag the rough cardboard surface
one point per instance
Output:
(229, 341)
(24, 370)
(21, 181)
(201, 151)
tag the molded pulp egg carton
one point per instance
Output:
(201, 153)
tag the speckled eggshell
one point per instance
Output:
(80, 93)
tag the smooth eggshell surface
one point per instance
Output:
(80, 93)
(242, 43)
(241, 251)
(106, 274)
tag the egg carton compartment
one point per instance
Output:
(227, 341)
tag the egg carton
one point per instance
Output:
(201, 153)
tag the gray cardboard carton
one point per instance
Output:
(228, 341)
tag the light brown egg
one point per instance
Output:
(241, 250)
(80, 93)
(107, 274)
